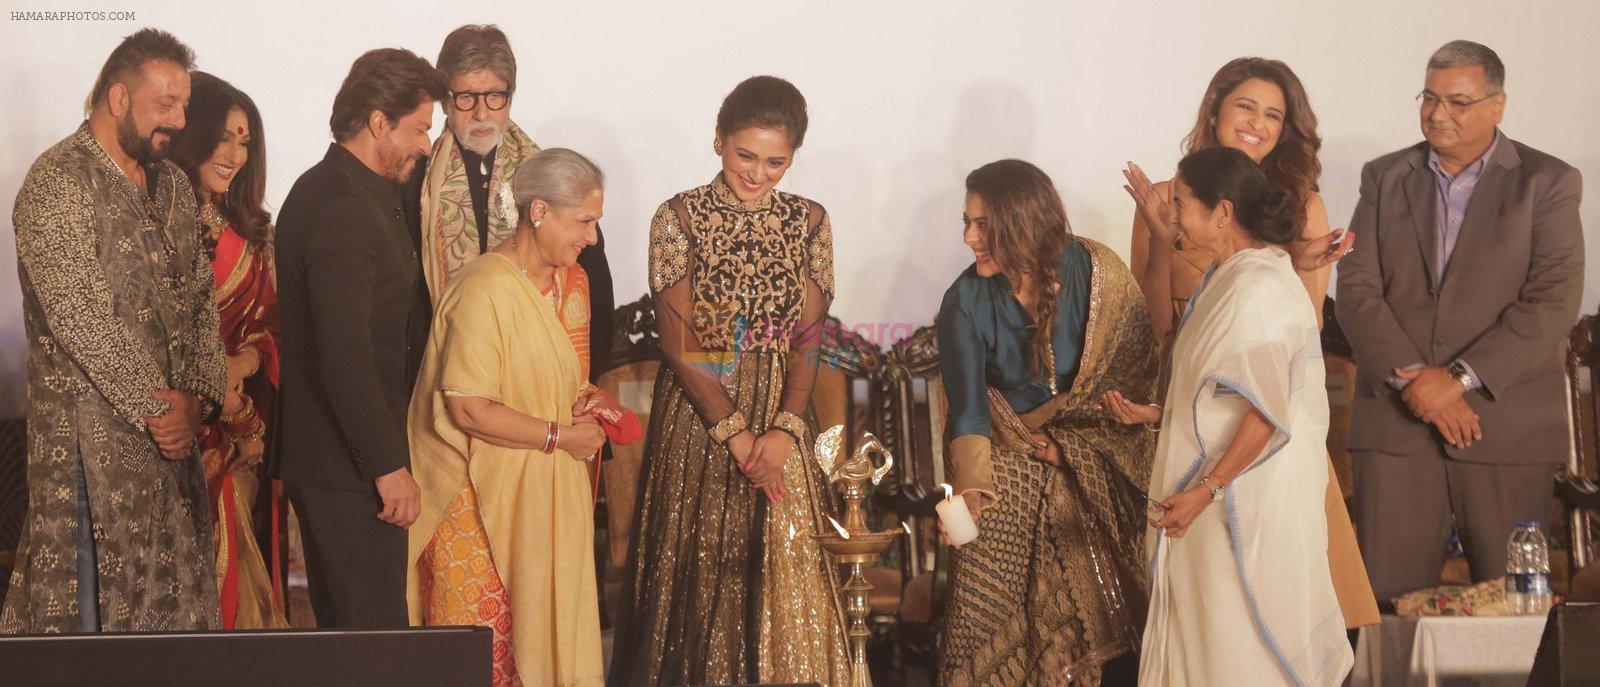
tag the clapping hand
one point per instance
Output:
(1155, 208)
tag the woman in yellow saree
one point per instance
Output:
(502, 435)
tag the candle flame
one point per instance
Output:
(839, 527)
(905, 527)
(948, 492)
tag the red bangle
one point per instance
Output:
(552, 435)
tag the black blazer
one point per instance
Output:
(348, 280)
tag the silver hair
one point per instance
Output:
(558, 176)
(1456, 54)
(478, 46)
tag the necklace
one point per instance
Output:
(554, 297)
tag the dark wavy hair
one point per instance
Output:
(1028, 229)
(390, 80)
(768, 102)
(1266, 211)
(210, 101)
(1293, 163)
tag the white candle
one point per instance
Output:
(842, 531)
(957, 519)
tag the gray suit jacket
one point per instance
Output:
(1507, 300)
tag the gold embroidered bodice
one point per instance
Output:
(748, 263)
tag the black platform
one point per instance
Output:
(455, 656)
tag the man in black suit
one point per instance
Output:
(348, 281)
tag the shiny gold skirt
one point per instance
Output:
(1048, 592)
(727, 587)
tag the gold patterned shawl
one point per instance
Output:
(449, 227)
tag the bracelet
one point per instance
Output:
(245, 411)
(256, 430)
(793, 424)
(552, 434)
(245, 425)
(728, 427)
(1153, 428)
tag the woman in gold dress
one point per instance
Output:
(728, 585)
(1259, 107)
(503, 427)
(1030, 335)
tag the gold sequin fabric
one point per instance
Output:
(1054, 585)
(117, 304)
(750, 262)
(723, 592)
(727, 587)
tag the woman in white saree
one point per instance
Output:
(1240, 589)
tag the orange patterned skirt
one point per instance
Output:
(459, 585)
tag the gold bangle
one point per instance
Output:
(728, 427)
(244, 413)
(1153, 428)
(793, 424)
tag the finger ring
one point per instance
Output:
(1149, 188)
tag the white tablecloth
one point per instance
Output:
(1447, 652)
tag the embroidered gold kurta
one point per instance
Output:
(117, 304)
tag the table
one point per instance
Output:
(1447, 652)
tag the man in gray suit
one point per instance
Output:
(1457, 302)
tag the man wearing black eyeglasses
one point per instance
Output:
(464, 197)
(1457, 301)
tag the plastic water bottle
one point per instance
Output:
(1528, 570)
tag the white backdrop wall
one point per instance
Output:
(905, 98)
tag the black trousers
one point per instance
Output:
(355, 563)
(1407, 504)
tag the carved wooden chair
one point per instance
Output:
(629, 376)
(915, 433)
(1575, 487)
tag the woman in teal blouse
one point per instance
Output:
(1030, 335)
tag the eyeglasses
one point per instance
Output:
(467, 101)
(1457, 104)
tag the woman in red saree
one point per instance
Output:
(223, 152)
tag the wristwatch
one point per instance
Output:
(1216, 487)
(1459, 370)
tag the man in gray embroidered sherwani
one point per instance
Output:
(123, 365)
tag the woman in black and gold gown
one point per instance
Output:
(728, 585)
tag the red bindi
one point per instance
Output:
(241, 131)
